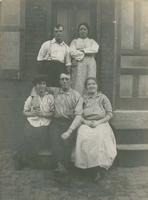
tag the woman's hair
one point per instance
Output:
(58, 26)
(90, 78)
(84, 24)
(39, 79)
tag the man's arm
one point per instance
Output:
(75, 124)
(77, 119)
(44, 51)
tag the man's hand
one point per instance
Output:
(66, 134)
(68, 68)
(74, 63)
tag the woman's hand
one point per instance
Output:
(88, 123)
(92, 123)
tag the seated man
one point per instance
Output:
(67, 117)
(38, 109)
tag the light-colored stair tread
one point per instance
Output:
(45, 153)
(132, 146)
(119, 147)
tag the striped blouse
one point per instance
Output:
(96, 107)
(68, 104)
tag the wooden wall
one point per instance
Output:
(11, 29)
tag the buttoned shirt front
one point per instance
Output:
(68, 104)
(44, 104)
(52, 50)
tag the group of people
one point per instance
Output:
(76, 122)
(56, 57)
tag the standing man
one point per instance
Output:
(54, 57)
(67, 117)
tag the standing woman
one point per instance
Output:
(83, 50)
(96, 144)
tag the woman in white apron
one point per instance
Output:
(96, 144)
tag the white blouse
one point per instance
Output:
(87, 45)
(44, 104)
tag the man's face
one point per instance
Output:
(58, 33)
(65, 81)
(41, 87)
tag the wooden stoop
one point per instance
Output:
(131, 131)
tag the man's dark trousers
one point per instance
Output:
(61, 149)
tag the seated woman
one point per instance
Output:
(95, 145)
(38, 109)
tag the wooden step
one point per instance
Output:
(127, 147)
(45, 153)
(132, 147)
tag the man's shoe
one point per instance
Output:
(60, 170)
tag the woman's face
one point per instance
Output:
(41, 87)
(83, 31)
(91, 86)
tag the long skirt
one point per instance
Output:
(84, 69)
(95, 147)
(61, 149)
(33, 141)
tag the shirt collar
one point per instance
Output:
(63, 92)
(34, 94)
(83, 38)
(54, 41)
(95, 96)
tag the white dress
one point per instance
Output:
(86, 64)
(95, 146)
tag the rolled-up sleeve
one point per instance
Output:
(67, 57)
(107, 106)
(43, 52)
(78, 113)
(27, 104)
(79, 106)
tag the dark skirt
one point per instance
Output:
(33, 141)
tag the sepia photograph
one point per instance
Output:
(73, 99)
